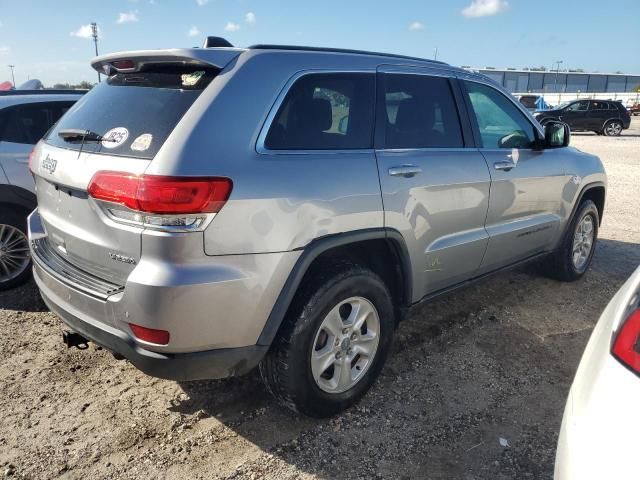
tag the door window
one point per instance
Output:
(420, 113)
(26, 123)
(599, 106)
(500, 122)
(578, 106)
(325, 112)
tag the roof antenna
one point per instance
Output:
(213, 42)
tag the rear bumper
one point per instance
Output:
(211, 364)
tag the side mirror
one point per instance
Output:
(556, 135)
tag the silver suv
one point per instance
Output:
(25, 116)
(205, 211)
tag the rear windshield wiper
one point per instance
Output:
(73, 135)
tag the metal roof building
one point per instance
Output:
(523, 81)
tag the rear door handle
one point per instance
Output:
(506, 166)
(406, 171)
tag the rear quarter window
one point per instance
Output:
(332, 111)
(139, 109)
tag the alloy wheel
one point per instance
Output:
(582, 242)
(14, 252)
(345, 345)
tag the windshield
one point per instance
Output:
(133, 112)
(562, 105)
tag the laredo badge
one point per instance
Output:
(115, 137)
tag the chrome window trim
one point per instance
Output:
(266, 125)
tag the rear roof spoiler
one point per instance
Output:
(210, 57)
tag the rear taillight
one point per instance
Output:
(161, 195)
(626, 346)
(150, 335)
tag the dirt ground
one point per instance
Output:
(494, 361)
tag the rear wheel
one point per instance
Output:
(613, 128)
(333, 343)
(574, 256)
(15, 260)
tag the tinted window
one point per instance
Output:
(27, 123)
(421, 113)
(148, 104)
(578, 106)
(599, 106)
(500, 122)
(325, 112)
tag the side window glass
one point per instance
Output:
(578, 106)
(599, 106)
(500, 122)
(421, 113)
(325, 111)
(27, 123)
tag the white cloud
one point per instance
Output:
(5, 51)
(84, 31)
(193, 31)
(250, 18)
(231, 27)
(484, 8)
(128, 17)
(415, 26)
(202, 2)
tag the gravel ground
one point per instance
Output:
(492, 362)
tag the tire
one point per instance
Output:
(562, 263)
(612, 128)
(15, 261)
(288, 369)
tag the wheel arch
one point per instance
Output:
(367, 247)
(17, 197)
(596, 192)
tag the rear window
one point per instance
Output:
(135, 112)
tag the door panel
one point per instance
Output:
(14, 158)
(435, 191)
(575, 115)
(524, 208)
(526, 184)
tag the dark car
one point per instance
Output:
(603, 117)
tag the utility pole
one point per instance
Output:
(435, 53)
(94, 34)
(13, 78)
(555, 83)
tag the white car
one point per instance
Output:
(599, 433)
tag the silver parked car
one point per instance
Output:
(25, 116)
(205, 211)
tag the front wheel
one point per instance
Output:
(613, 128)
(574, 256)
(333, 343)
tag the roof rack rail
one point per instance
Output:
(339, 50)
(49, 91)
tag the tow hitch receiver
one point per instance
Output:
(73, 339)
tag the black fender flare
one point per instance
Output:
(17, 197)
(316, 248)
(580, 196)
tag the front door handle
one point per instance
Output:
(506, 166)
(406, 171)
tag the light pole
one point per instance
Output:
(13, 78)
(555, 83)
(94, 34)
(435, 53)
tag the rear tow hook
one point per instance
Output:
(74, 339)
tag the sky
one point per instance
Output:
(48, 39)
